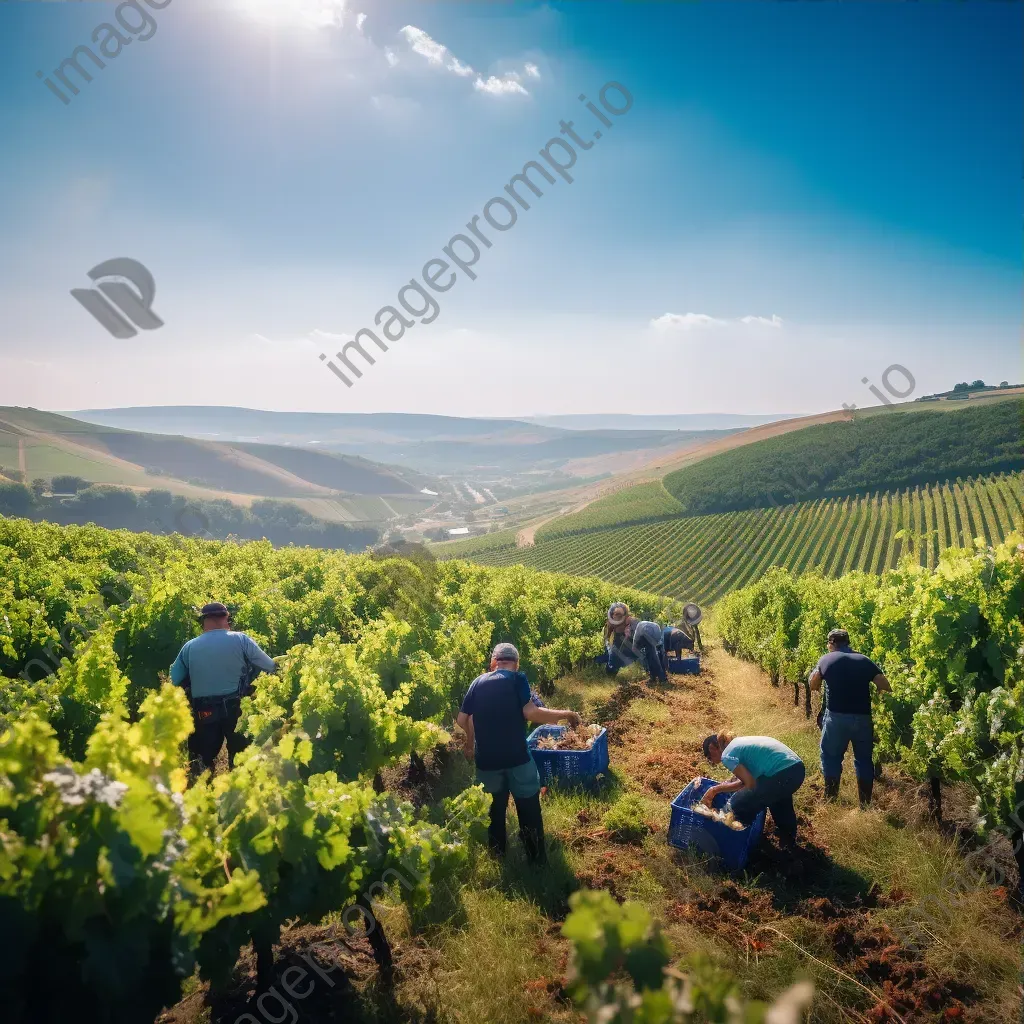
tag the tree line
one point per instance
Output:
(160, 511)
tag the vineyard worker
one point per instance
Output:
(492, 717)
(619, 651)
(846, 714)
(649, 642)
(635, 638)
(676, 640)
(217, 668)
(767, 774)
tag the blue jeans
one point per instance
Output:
(838, 731)
(653, 656)
(774, 792)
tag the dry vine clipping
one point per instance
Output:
(580, 737)
(725, 817)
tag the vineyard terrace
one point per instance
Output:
(463, 250)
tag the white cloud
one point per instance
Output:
(696, 321)
(422, 44)
(391, 56)
(685, 321)
(463, 70)
(439, 55)
(499, 86)
(360, 18)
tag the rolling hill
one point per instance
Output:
(833, 491)
(41, 444)
(510, 454)
(861, 454)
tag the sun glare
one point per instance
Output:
(303, 13)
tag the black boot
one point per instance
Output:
(831, 788)
(531, 828)
(864, 791)
(496, 832)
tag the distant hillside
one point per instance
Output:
(504, 456)
(638, 504)
(899, 449)
(261, 425)
(682, 421)
(41, 444)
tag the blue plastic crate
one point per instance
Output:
(685, 666)
(688, 828)
(574, 765)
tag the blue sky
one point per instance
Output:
(799, 196)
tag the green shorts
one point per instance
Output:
(522, 781)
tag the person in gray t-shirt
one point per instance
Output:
(649, 640)
(216, 669)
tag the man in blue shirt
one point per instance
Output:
(493, 716)
(846, 714)
(216, 669)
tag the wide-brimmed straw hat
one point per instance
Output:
(617, 614)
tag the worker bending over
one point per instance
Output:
(846, 713)
(216, 669)
(676, 640)
(493, 713)
(628, 638)
(767, 774)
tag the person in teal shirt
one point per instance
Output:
(766, 775)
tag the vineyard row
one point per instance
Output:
(701, 558)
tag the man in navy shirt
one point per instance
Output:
(847, 713)
(493, 716)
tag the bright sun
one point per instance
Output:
(305, 13)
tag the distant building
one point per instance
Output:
(458, 531)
